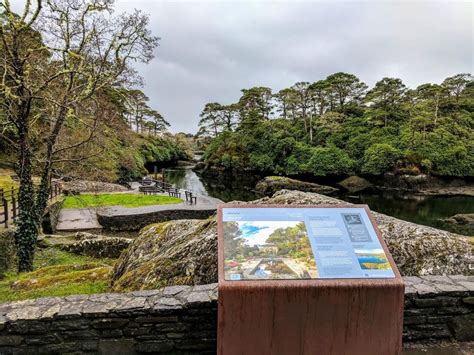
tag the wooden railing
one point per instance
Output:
(9, 203)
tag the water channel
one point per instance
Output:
(427, 210)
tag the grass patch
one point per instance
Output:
(126, 200)
(6, 183)
(57, 273)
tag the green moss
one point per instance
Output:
(157, 228)
(6, 182)
(276, 178)
(84, 287)
(53, 256)
(126, 200)
(57, 273)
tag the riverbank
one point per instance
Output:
(430, 209)
(421, 184)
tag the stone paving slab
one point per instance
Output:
(75, 219)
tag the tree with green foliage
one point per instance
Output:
(380, 158)
(389, 129)
(303, 105)
(433, 95)
(455, 86)
(286, 102)
(256, 104)
(211, 120)
(346, 88)
(56, 57)
(330, 160)
(386, 100)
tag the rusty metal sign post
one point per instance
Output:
(306, 280)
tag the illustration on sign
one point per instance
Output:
(301, 243)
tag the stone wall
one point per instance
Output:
(176, 319)
(134, 222)
(183, 319)
(439, 308)
(51, 216)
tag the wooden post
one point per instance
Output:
(13, 208)
(163, 175)
(155, 171)
(5, 211)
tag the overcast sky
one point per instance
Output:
(210, 50)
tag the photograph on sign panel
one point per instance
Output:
(267, 250)
(372, 259)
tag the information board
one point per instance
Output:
(281, 243)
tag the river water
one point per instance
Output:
(427, 210)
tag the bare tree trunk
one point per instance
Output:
(436, 108)
(43, 192)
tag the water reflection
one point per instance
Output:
(225, 187)
(186, 178)
(427, 210)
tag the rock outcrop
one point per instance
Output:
(271, 184)
(355, 184)
(461, 218)
(93, 245)
(182, 252)
(75, 187)
(185, 251)
(427, 185)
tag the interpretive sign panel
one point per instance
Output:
(267, 243)
(306, 280)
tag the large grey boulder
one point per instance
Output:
(185, 251)
(355, 184)
(461, 218)
(75, 187)
(271, 184)
(182, 252)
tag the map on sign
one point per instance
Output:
(301, 243)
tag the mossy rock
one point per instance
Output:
(355, 184)
(182, 252)
(88, 244)
(53, 276)
(271, 184)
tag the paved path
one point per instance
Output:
(76, 219)
(203, 203)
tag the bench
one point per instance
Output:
(164, 185)
(147, 181)
(174, 192)
(150, 190)
(190, 198)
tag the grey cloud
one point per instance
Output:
(211, 50)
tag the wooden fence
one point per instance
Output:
(9, 203)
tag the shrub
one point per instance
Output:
(330, 160)
(426, 165)
(379, 158)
